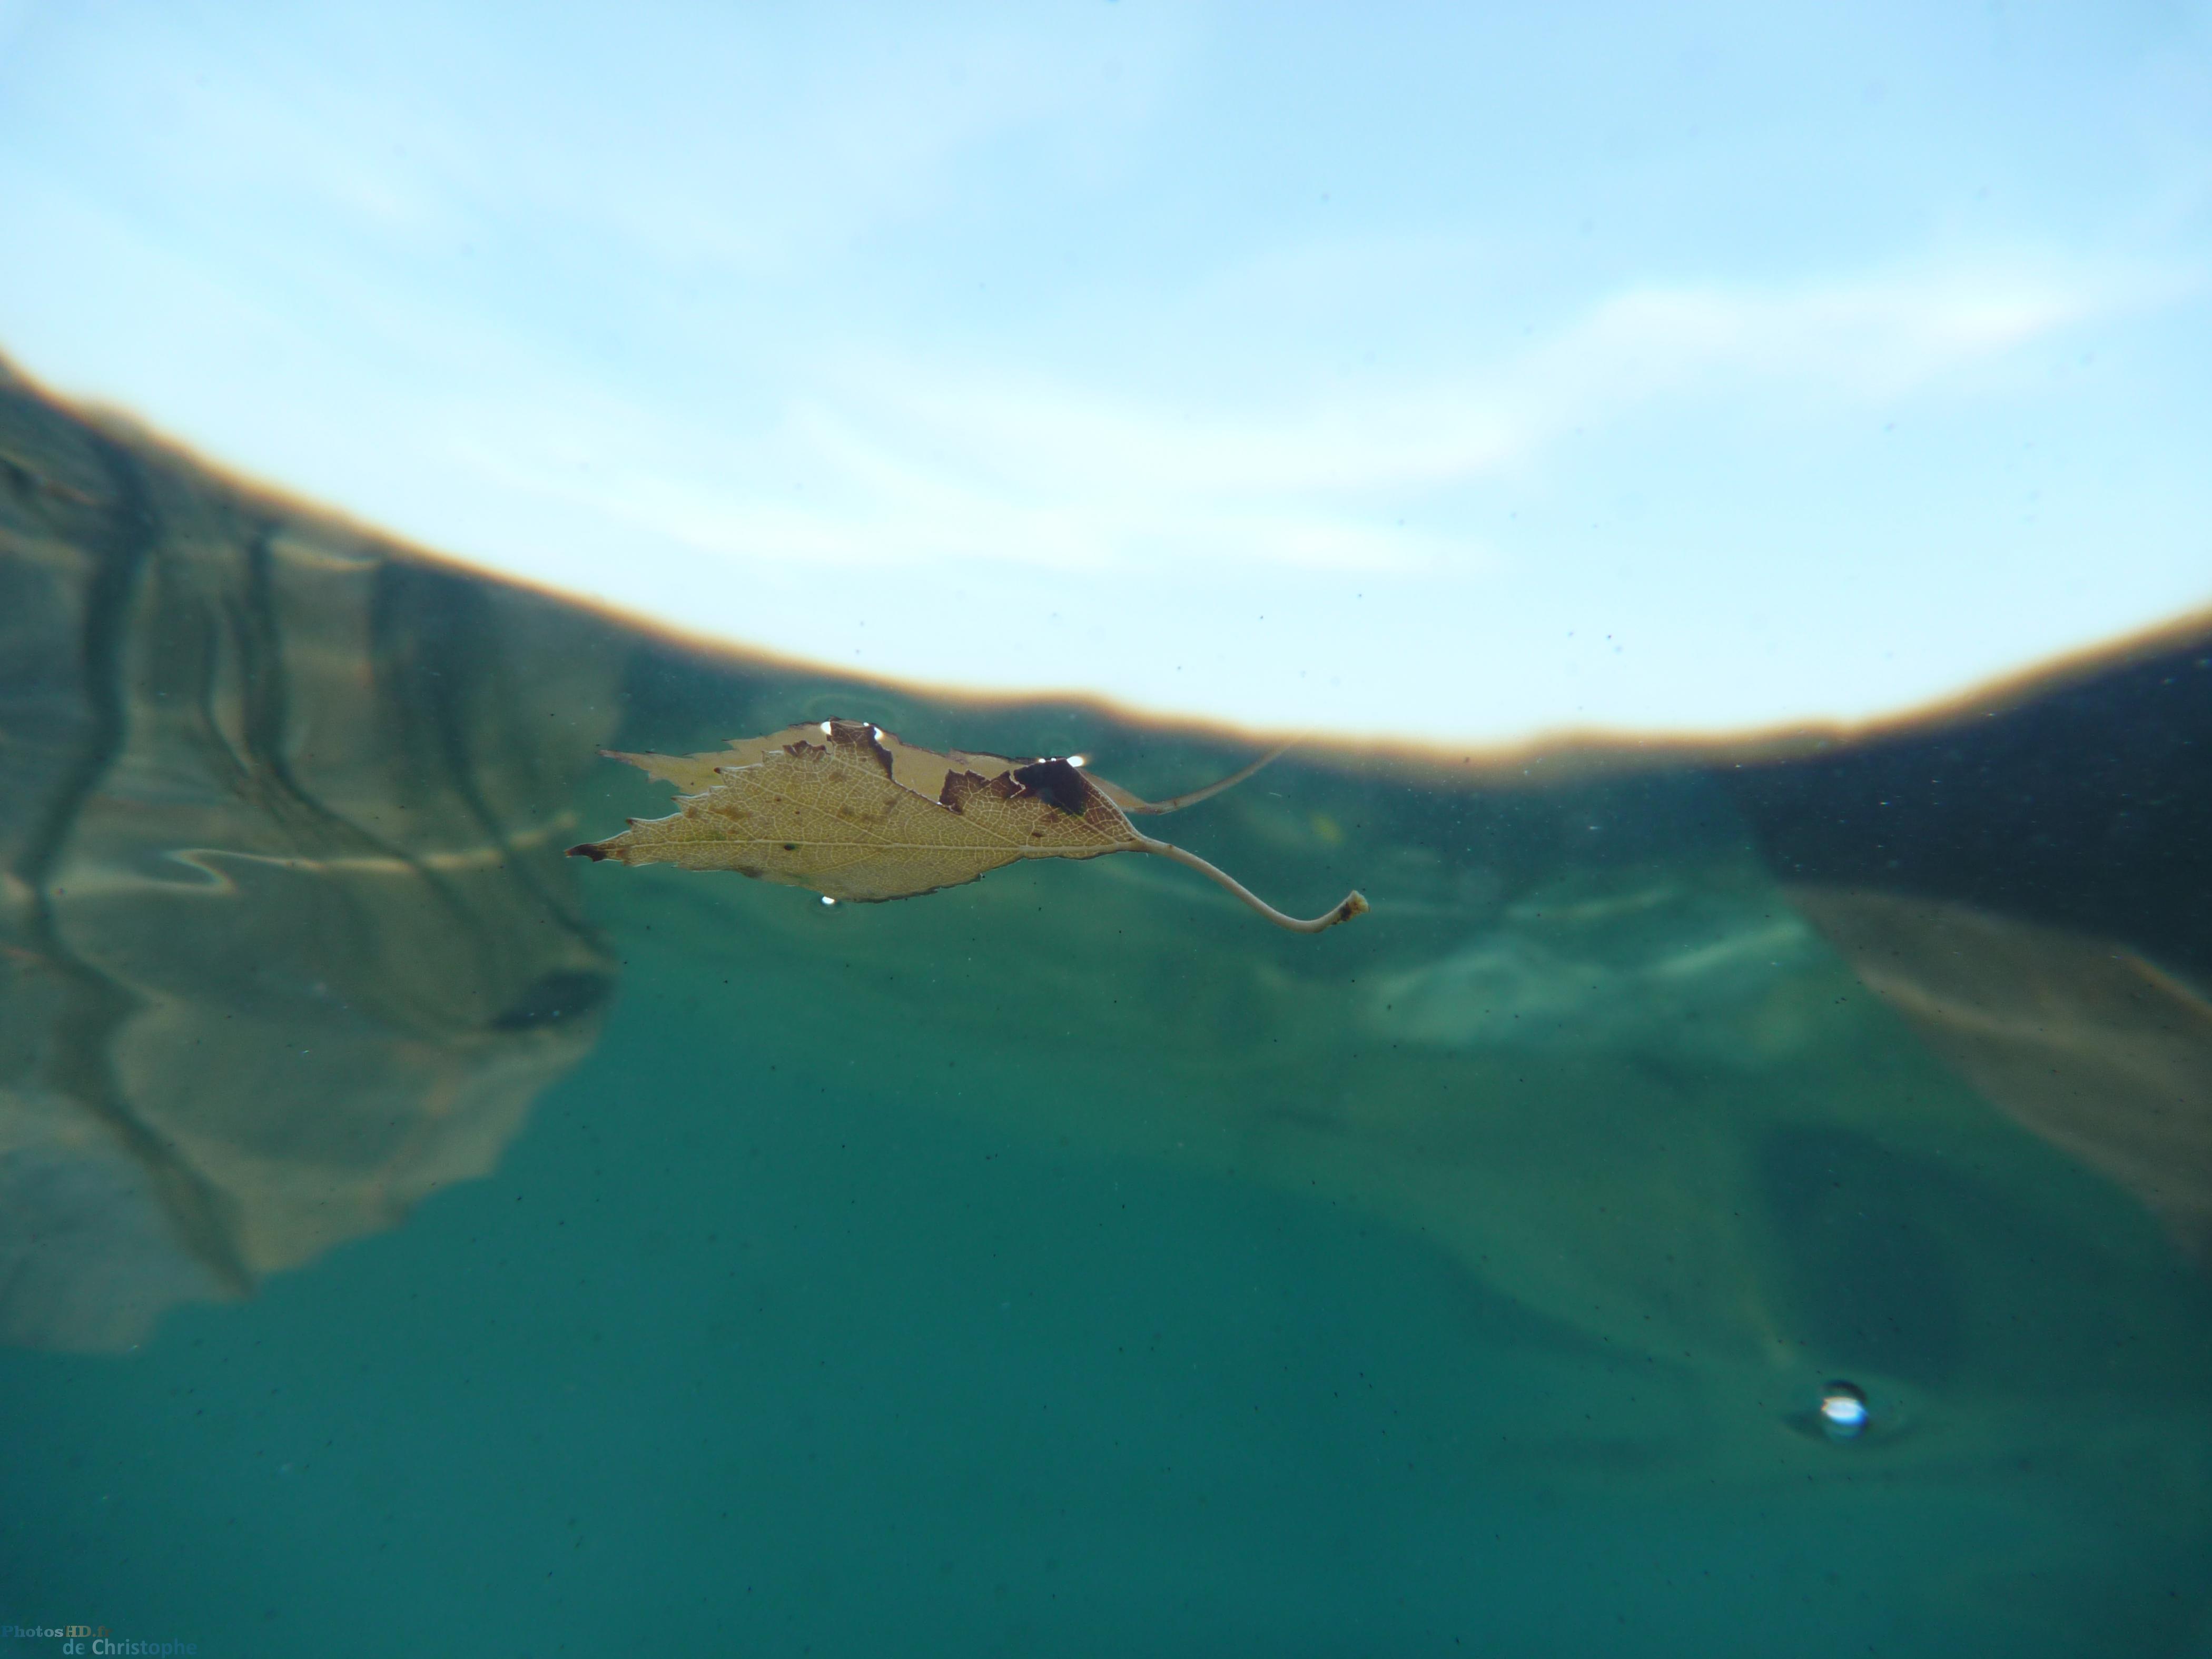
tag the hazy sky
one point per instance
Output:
(1452, 371)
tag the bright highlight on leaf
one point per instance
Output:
(847, 811)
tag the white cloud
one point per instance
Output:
(895, 463)
(1870, 337)
(695, 137)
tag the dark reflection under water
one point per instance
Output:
(288, 942)
(1066, 1262)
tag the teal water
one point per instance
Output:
(1067, 1262)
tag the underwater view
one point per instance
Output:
(1106, 828)
(1694, 1204)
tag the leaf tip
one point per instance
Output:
(588, 849)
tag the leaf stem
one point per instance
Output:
(1352, 904)
(1129, 802)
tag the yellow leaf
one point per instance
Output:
(846, 809)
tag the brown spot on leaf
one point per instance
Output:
(960, 787)
(1057, 782)
(861, 735)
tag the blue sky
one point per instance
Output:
(1447, 374)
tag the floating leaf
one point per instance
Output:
(848, 810)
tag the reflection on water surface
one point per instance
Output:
(1059, 1261)
(289, 943)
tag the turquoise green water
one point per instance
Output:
(851, 1297)
(1067, 1262)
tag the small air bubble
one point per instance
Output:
(1079, 760)
(825, 728)
(1843, 1410)
(826, 899)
